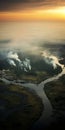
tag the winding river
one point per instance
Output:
(46, 117)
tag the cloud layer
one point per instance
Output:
(7, 5)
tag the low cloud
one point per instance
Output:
(51, 59)
(11, 62)
(13, 57)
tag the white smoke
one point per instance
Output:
(11, 62)
(14, 56)
(24, 64)
(50, 59)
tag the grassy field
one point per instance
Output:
(19, 107)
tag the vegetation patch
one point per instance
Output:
(56, 93)
(19, 107)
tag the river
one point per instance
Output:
(46, 116)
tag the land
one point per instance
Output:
(36, 78)
(19, 107)
(56, 93)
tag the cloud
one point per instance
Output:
(26, 63)
(51, 59)
(11, 62)
(12, 57)
(7, 5)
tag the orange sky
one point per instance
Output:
(54, 14)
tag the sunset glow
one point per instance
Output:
(32, 64)
(39, 14)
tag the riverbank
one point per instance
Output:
(55, 91)
(46, 117)
(19, 107)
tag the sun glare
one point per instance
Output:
(60, 10)
(52, 14)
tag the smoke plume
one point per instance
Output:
(12, 57)
(51, 59)
(11, 62)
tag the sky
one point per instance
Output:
(32, 10)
